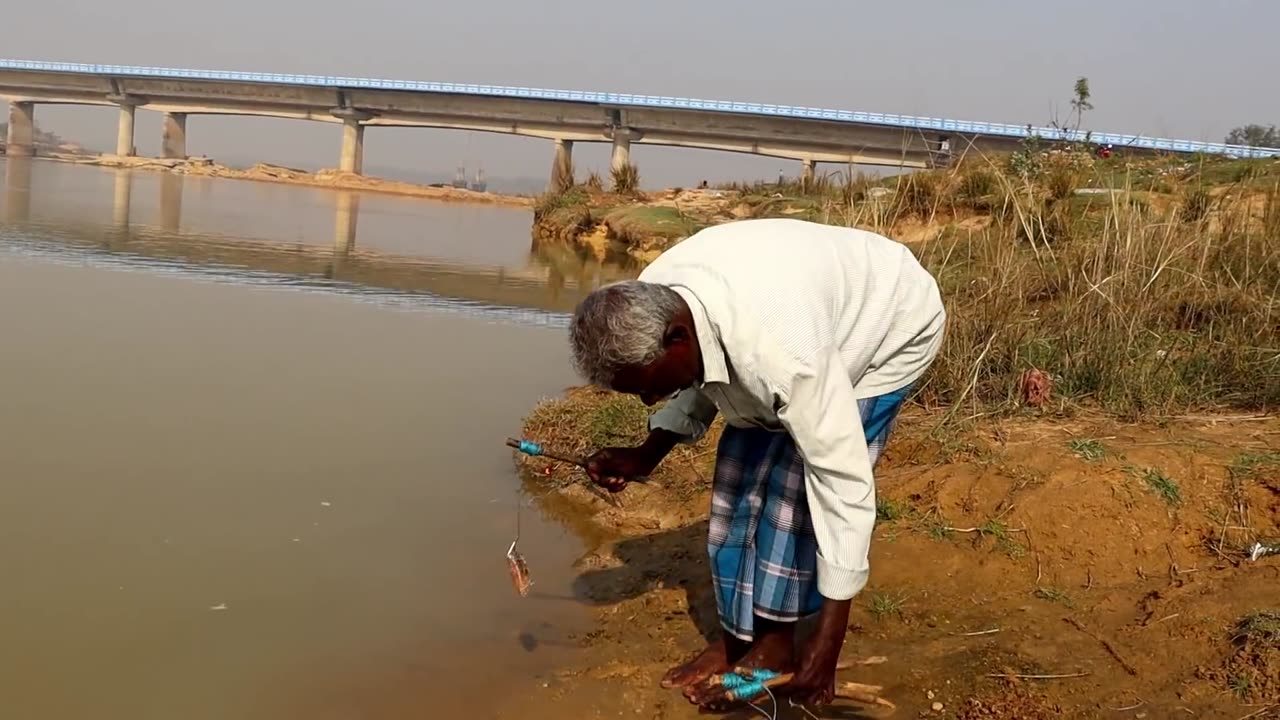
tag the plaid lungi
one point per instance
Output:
(761, 540)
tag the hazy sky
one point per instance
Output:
(1184, 68)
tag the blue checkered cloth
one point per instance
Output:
(764, 554)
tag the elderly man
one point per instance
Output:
(807, 339)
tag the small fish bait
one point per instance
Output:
(519, 570)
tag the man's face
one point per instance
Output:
(679, 367)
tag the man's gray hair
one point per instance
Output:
(621, 324)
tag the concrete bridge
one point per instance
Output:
(809, 135)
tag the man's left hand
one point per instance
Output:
(814, 683)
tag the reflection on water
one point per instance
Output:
(220, 502)
(479, 259)
(17, 189)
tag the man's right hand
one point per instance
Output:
(612, 468)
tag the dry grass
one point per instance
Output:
(626, 179)
(1137, 302)
(586, 419)
(1137, 311)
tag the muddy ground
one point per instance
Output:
(1111, 556)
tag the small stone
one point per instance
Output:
(937, 707)
(930, 694)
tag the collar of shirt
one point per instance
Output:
(714, 367)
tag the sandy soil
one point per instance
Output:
(334, 179)
(1111, 554)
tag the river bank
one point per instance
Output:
(331, 179)
(1069, 510)
(1023, 547)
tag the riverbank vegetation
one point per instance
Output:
(1145, 288)
(1082, 493)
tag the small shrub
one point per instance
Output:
(1062, 181)
(919, 194)
(1195, 206)
(978, 185)
(1163, 485)
(854, 188)
(883, 605)
(1088, 450)
(888, 511)
(558, 200)
(626, 179)
(1054, 595)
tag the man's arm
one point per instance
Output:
(820, 411)
(684, 419)
(688, 416)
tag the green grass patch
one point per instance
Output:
(1163, 486)
(638, 224)
(1054, 595)
(1088, 450)
(1248, 466)
(882, 605)
(888, 511)
(1262, 627)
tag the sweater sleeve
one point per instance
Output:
(818, 407)
(688, 414)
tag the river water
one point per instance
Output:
(251, 459)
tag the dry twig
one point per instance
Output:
(1105, 643)
(1020, 676)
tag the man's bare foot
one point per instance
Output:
(774, 649)
(719, 657)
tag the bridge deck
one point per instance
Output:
(627, 100)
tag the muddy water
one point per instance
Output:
(251, 452)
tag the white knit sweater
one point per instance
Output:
(797, 321)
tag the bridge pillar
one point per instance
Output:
(20, 139)
(621, 150)
(124, 134)
(562, 167)
(352, 158)
(174, 141)
(806, 174)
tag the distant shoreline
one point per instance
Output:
(329, 179)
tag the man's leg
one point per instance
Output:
(784, 582)
(730, 538)
(762, 546)
(786, 558)
(782, 569)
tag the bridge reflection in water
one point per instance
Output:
(550, 283)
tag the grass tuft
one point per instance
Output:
(626, 179)
(883, 605)
(888, 511)
(1163, 485)
(1088, 450)
(1054, 595)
